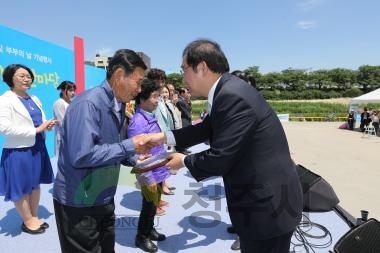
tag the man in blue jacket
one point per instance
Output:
(91, 151)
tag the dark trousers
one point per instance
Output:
(351, 124)
(376, 126)
(280, 244)
(86, 229)
(150, 201)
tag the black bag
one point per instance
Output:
(364, 238)
(318, 195)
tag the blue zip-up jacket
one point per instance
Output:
(91, 150)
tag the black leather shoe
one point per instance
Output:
(231, 230)
(144, 243)
(44, 225)
(236, 244)
(37, 231)
(155, 236)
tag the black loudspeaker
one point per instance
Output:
(318, 195)
(364, 238)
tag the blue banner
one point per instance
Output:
(93, 76)
(51, 64)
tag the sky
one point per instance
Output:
(272, 34)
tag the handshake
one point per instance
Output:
(144, 142)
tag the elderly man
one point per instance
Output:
(91, 151)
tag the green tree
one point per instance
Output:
(269, 80)
(319, 78)
(253, 72)
(368, 76)
(175, 79)
(294, 79)
(342, 78)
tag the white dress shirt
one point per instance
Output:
(170, 140)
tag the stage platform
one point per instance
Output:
(195, 221)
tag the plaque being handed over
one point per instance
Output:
(151, 163)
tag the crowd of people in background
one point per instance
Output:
(368, 118)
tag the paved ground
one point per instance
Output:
(196, 222)
(188, 225)
(349, 162)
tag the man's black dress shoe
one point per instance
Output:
(44, 225)
(231, 230)
(37, 231)
(236, 244)
(155, 236)
(144, 243)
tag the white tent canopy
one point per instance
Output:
(370, 97)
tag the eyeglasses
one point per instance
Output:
(183, 67)
(28, 77)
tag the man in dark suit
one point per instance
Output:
(184, 105)
(248, 147)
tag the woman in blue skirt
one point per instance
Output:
(25, 163)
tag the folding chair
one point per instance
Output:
(369, 130)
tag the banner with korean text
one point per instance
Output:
(51, 64)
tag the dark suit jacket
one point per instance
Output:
(248, 147)
(185, 109)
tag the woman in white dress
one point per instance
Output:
(67, 89)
